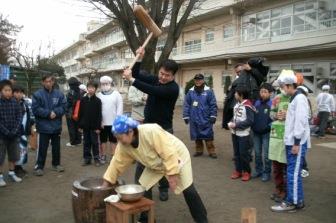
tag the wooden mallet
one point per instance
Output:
(147, 21)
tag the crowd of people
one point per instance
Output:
(271, 119)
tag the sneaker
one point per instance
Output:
(235, 175)
(58, 168)
(69, 145)
(14, 178)
(246, 176)
(103, 159)
(213, 155)
(304, 173)
(265, 177)
(2, 182)
(283, 207)
(86, 162)
(38, 172)
(256, 175)
(20, 172)
(198, 154)
(278, 198)
(97, 163)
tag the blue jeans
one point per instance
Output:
(261, 145)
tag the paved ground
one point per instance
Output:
(48, 198)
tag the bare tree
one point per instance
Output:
(7, 32)
(174, 11)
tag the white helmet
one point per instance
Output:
(106, 80)
(325, 87)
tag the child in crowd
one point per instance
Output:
(10, 130)
(112, 105)
(261, 133)
(296, 137)
(90, 118)
(240, 126)
(305, 170)
(27, 123)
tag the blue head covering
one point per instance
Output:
(123, 123)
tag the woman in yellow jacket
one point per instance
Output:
(162, 154)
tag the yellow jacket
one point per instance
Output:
(160, 152)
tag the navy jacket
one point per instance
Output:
(262, 120)
(44, 102)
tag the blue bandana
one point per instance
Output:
(123, 123)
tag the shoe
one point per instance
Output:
(20, 172)
(14, 178)
(235, 175)
(86, 162)
(300, 206)
(246, 176)
(164, 196)
(69, 145)
(58, 168)
(102, 159)
(283, 207)
(97, 163)
(278, 198)
(38, 172)
(265, 177)
(304, 173)
(256, 175)
(2, 182)
(213, 155)
(198, 154)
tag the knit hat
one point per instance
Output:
(106, 80)
(122, 124)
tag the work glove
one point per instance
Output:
(212, 120)
(186, 121)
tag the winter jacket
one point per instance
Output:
(44, 102)
(262, 120)
(27, 122)
(161, 99)
(243, 117)
(90, 113)
(199, 108)
(10, 118)
(297, 129)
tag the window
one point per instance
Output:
(248, 28)
(228, 32)
(209, 35)
(192, 46)
(226, 81)
(332, 69)
(208, 79)
(281, 21)
(160, 44)
(263, 25)
(303, 68)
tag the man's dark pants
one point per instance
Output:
(44, 140)
(74, 134)
(323, 116)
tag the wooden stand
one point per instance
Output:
(248, 215)
(121, 212)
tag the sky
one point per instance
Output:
(58, 22)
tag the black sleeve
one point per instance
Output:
(99, 114)
(164, 91)
(249, 120)
(145, 78)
